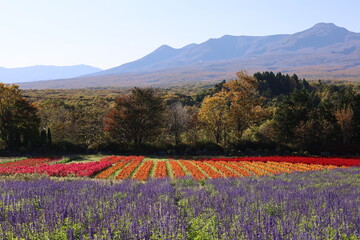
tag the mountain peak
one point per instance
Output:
(327, 27)
(165, 47)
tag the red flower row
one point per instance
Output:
(28, 162)
(74, 169)
(294, 159)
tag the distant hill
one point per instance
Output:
(36, 73)
(324, 51)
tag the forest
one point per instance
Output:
(266, 113)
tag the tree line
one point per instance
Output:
(263, 113)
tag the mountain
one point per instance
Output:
(323, 51)
(36, 73)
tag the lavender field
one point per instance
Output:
(310, 205)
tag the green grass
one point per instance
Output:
(169, 170)
(80, 159)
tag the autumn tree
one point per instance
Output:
(246, 106)
(19, 122)
(214, 115)
(136, 117)
(344, 117)
(177, 119)
(237, 107)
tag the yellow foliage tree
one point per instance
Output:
(214, 114)
(246, 105)
(344, 117)
(236, 108)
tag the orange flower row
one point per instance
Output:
(177, 169)
(144, 171)
(273, 169)
(194, 170)
(208, 170)
(160, 170)
(128, 169)
(108, 172)
(251, 168)
(221, 167)
(237, 168)
(265, 168)
(299, 167)
(321, 167)
(290, 166)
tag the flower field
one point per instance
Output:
(141, 168)
(302, 205)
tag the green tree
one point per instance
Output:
(58, 116)
(19, 122)
(303, 121)
(49, 137)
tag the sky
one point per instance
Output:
(108, 33)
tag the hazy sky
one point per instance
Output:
(108, 33)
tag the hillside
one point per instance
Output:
(36, 73)
(324, 51)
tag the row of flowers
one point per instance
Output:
(144, 171)
(59, 170)
(177, 169)
(253, 169)
(120, 161)
(221, 167)
(111, 170)
(160, 170)
(28, 162)
(128, 169)
(294, 159)
(208, 170)
(237, 168)
(194, 170)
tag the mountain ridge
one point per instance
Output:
(325, 46)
